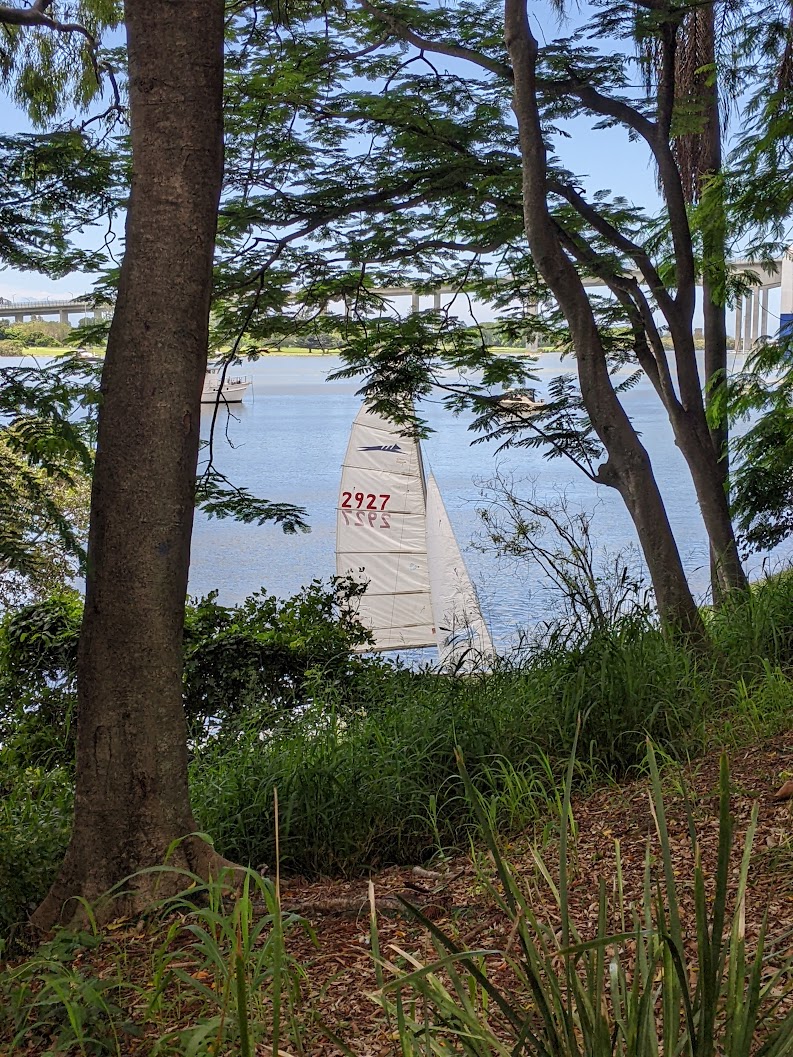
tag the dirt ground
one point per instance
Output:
(338, 960)
(334, 949)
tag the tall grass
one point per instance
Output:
(381, 786)
(378, 784)
(648, 988)
(211, 976)
(211, 971)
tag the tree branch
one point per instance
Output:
(637, 253)
(400, 29)
(658, 142)
(36, 16)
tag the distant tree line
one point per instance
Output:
(36, 333)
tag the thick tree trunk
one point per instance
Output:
(132, 803)
(628, 467)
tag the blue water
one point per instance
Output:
(287, 441)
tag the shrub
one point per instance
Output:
(267, 657)
(38, 659)
(35, 819)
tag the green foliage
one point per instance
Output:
(217, 976)
(55, 184)
(267, 657)
(217, 497)
(37, 332)
(218, 980)
(38, 659)
(762, 480)
(635, 992)
(261, 660)
(45, 463)
(380, 785)
(49, 70)
(362, 754)
(35, 821)
(760, 191)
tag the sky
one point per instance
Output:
(607, 158)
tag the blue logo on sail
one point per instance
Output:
(381, 447)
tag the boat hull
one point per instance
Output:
(231, 393)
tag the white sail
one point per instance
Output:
(462, 634)
(381, 535)
(393, 533)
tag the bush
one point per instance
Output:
(38, 660)
(268, 657)
(35, 819)
(262, 659)
(380, 785)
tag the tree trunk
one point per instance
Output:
(707, 473)
(132, 808)
(698, 157)
(714, 293)
(628, 467)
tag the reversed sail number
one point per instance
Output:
(375, 519)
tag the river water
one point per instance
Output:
(286, 443)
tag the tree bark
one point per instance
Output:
(698, 158)
(132, 807)
(714, 280)
(628, 466)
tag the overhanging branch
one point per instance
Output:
(400, 29)
(36, 16)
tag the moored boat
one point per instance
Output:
(228, 390)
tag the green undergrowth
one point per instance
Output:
(365, 768)
(646, 980)
(207, 972)
(380, 786)
(665, 966)
(376, 786)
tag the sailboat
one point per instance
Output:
(393, 532)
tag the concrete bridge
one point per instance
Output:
(18, 310)
(751, 313)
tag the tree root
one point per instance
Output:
(97, 890)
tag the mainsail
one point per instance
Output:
(392, 531)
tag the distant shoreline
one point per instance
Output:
(40, 350)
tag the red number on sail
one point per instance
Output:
(370, 502)
(385, 499)
(346, 497)
(359, 499)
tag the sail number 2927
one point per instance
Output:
(364, 501)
